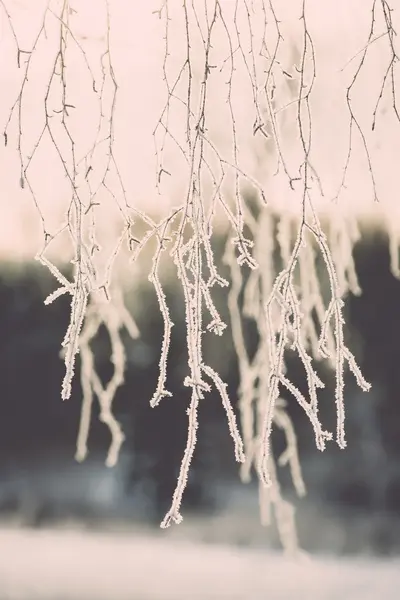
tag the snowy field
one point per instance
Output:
(81, 565)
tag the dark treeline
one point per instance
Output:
(35, 422)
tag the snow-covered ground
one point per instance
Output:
(82, 565)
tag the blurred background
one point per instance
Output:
(72, 531)
(352, 509)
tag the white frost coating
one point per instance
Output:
(167, 117)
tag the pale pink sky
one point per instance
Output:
(339, 29)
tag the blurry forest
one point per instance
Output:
(354, 494)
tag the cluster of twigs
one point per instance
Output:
(287, 305)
